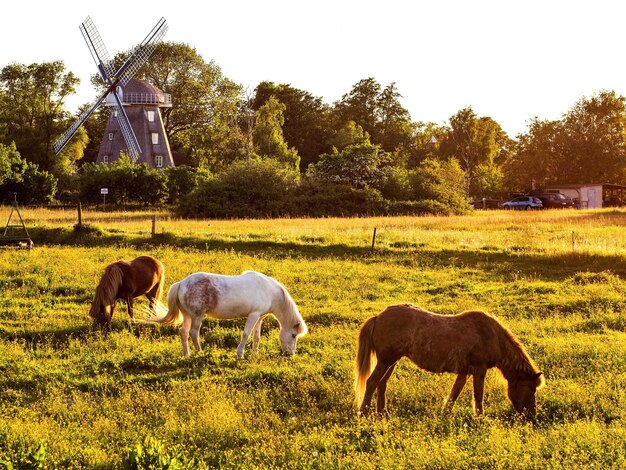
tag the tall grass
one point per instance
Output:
(93, 400)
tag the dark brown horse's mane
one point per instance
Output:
(106, 292)
(515, 359)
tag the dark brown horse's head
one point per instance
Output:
(101, 313)
(522, 391)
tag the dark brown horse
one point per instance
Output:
(465, 344)
(127, 280)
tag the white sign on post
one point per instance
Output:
(104, 190)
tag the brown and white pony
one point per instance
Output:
(127, 280)
(250, 295)
(465, 344)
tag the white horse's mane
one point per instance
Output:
(290, 309)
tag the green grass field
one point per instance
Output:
(73, 398)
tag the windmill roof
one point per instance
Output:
(141, 86)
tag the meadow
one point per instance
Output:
(72, 397)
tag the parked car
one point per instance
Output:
(556, 200)
(523, 203)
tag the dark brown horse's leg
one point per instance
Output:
(459, 383)
(479, 388)
(372, 384)
(129, 304)
(382, 390)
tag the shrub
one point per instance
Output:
(182, 180)
(318, 198)
(127, 182)
(245, 189)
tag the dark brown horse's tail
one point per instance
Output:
(365, 360)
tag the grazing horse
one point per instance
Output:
(465, 344)
(124, 280)
(251, 294)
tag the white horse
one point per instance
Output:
(251, 294)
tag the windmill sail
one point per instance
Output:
(123, 75)
(141, 53)
(97, 49)
(69, 133)
(134, 149)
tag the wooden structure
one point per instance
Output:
(22, 240)
(142, 104)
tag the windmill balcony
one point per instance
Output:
(159, 99)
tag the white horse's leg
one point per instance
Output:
(253, 318)
(184, 334)
(196, 324)
(256, 335)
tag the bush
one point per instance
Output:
(257, 188)
(318, 198)
(182, 180)
(127, 183)
(424, 207)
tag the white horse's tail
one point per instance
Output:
(173, 316)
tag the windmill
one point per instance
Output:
(115, 80)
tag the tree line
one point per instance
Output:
(279, 150)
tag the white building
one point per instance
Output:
(593, 196)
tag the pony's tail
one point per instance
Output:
(173, 316)
(365, 360)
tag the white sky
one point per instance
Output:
(508, 59)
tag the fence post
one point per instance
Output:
(80, 215)
(373, 239)
(153, 225)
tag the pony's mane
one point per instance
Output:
(515, 358)
(290, 309)
(106, 292)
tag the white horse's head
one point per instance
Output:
(289, 335)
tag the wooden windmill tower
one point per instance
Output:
(118, 82)
(142, 103)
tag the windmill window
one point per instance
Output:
(155, 138)
(158, 161)
(114, 113)
(110, 135)
(151, 116)
(105, 159)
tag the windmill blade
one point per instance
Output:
(69, 133)
(97, 49)
(142, 52)
(132, 144)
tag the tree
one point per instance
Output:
(587, 145)
(358, 165)
(33, 114)
(594, 140)
(378, 111)
(24, 179)
(307, 124)
(537, 158)
(11, 162)
(474, 141)
(350, 134)
(360, 105)
(268, 135)
(442, 182)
